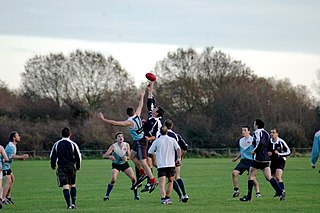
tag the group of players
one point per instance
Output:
(151, 137)
(256, 152)
(145, 133)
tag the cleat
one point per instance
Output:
(106, 198)
(73, 206)
(236, 193)
(133, 187)
(146, 188)
(245, 199)
(141, 178)
(258, 195)
(136, 198)
(139, 181)
(152, 187)
(180, 199)
(163, 202)
(139, 185)
(283, 196)
(9, 200)
(184, 198)
(166, 201)
(169, 201)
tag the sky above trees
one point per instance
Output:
(273, 38)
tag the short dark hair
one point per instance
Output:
(66, 132)
(259, 123)
(12, 135)
(275, 129)
(160, 112)
(168, 123)
(245, 126)
(130, 111)
(163, 130)
(118, 133)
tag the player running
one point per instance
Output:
(278, 155)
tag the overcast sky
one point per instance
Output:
(274, 38)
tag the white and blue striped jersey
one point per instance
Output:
(10, 150)
(136, 132)
(246, 147)
(119, 153)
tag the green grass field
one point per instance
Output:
(208, 184)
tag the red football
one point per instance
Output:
(150, 76)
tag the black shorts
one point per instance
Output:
(259, 165)
(243, 165)
(277, 165)
(141, 148)
(6, 172)
(66, 175)
(120, 167)
(166, 171)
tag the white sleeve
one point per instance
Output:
(286, 146)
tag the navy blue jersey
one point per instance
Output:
(261, 141)
(152, 127)
(65, 152)
(181, 142)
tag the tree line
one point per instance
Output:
(207, 94)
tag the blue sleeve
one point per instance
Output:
(315, 150)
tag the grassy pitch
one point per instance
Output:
(208, 184)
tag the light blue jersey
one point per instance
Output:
(10, 151)
(315, 148)
(246, 147)
(136, 132)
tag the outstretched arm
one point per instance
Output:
(139, 108)
(150, 89)
(126, 123)
(20, 157)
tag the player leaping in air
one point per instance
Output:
(139, 146)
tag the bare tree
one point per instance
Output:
(82, 77)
